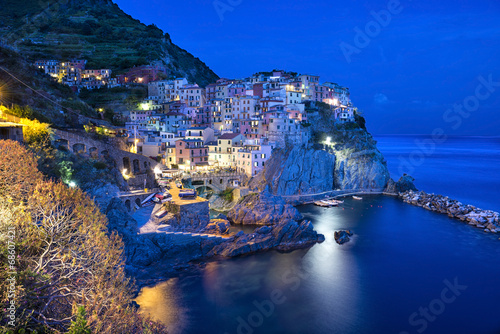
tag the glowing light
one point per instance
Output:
(328, 140)
(157, 170)
(72, 184)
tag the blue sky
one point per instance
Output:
(424, 58)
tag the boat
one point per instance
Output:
(328, 203)
(160, 214)
(147, 200)
(162, 197)
(184, 193)
(357, 197)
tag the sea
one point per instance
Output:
(406, 270)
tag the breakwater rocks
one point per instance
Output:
(484, 219)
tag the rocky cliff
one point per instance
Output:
(350, 160)
(263, 209)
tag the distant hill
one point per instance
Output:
(96, 30)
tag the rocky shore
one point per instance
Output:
(163, 248)
(486, 220)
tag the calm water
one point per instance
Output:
(398, 266)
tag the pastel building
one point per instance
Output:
(193, 96)
(191, 153)
(251, 159)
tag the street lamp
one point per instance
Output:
(328, 140)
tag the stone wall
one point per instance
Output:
(189, 217)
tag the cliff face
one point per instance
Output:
(297, 170)
(262, 209)
(351, 161)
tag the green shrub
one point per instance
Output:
(227, 194)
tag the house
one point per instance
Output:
(308, 84)
(282, 130)
(191, 154)
(251, 159)
(193, 96)
(211, 91)
(162, 91)
(175, 121)
(142, 74)
(225, 152)
(50, 67)
(12, 131)
(344, 114)
(101, 74)
(205, 134)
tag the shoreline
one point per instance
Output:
(486, 220)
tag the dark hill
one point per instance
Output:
(96, 30)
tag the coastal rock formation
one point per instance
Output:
(217, 227)
(297, 170)
(284, 236)
(404, 184)
(137, 250)
(262, 209)
(351, 161)
(155, 253)
(341, 237)
(484, 219)
(362, 170)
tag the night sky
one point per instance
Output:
(406, 74)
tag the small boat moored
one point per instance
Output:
(328, 203)
(357, 197)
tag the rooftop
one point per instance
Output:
(229, 136)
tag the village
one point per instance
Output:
(232, 124)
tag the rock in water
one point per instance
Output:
(285, 236)
(341, 237)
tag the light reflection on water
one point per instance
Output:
(161, 302)
(396, 262)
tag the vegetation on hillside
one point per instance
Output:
(68, 267)
(96, 30)
(34, 95)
